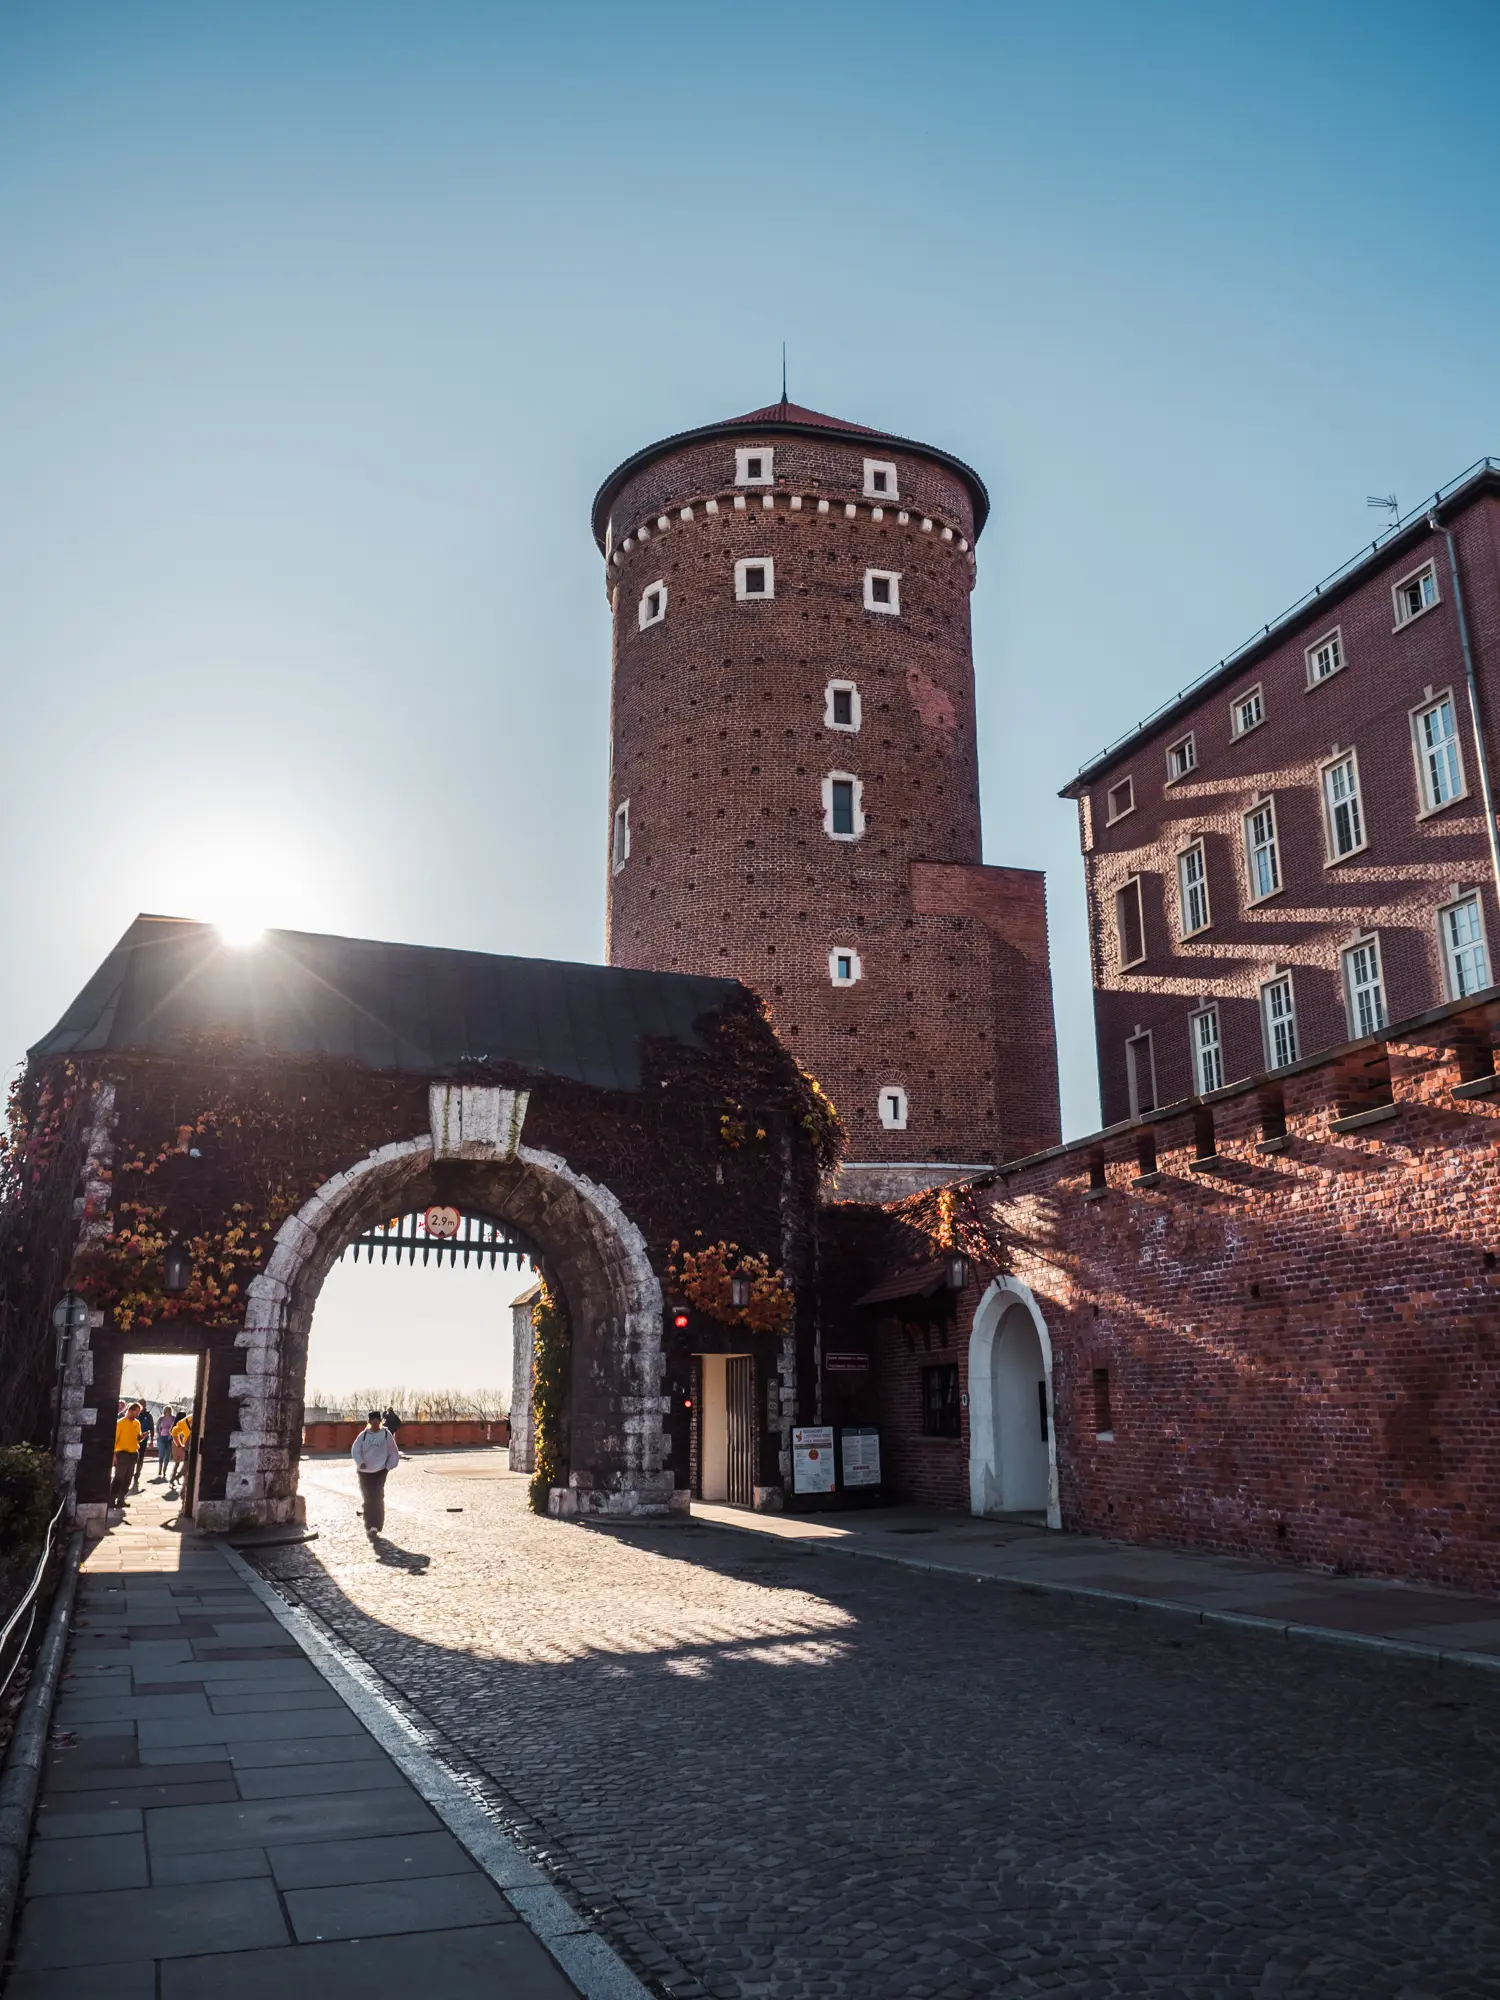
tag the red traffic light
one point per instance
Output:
(687, 1402)
(681, 1319)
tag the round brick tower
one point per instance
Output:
(794, 790)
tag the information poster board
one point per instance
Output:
(812, 1458)
(861, 1450)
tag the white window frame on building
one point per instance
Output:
(1465, 946)
(1140, 1073)
(1344, 827)
(1207, 1046)
(742, 569)
(1325, 657)
(856, 804)
(1416, 593)
(653, 607)
(881, 469)
(1364, 987)
(1192, 889)
(1130, 889)
(1278, 1020)
(1112, 812)
(1440, 760)
(830, 705)
(888, 580)
(1247, 711)
(1259, 844)
(1182, 757)
(762, 457)
(619, 845)
(892, 1107)
(845, 967)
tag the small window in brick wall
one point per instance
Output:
(653, 604)
(883, 591)
(892, 1107)
(841, 707)
(880, 480)
(1104, 1417)
(620, 846)
(754, 576)
(844, 966)
(753, 465)
(940, 1410)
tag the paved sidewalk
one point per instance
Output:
(1443, 1626)
(215, 1820)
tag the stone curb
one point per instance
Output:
(1322, 1635)
(592, 1964)
(23, 1762)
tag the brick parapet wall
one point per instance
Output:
(1303, 1345)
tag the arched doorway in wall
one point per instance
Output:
(591, 1251)
(1012, 1448)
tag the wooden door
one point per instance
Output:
(739, 1395)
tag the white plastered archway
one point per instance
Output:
(984, 1471)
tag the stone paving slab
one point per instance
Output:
(215, 1820)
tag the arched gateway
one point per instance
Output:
(234, 1119)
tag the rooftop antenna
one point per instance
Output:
(1388, 502)
(783, 373)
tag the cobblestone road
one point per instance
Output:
(779, 1773)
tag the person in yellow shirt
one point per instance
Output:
(182, 1430)
(127, 1455)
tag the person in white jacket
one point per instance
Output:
(375, 1454)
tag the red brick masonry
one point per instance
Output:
(413, 1436)
(1302, 1336)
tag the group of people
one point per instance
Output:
(136, 1430)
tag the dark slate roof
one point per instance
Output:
(407, 1007)
(789, 418)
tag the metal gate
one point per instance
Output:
(739, 1397)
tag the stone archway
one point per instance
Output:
(597, 1255)
(1002, 1401)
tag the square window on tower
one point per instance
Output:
(843, 814)
(754, 577)
(880, 480)
(841, 706)
(844, 966)
(883, 591)
(753, 465)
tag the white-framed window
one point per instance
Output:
(619, 848)
(1119, 800)
(844, 965)
(1192, 889)
(891, 1104)
(1343, 812)
(883, 591)
(841, 708)
(843, 806)
(1466, 958)
(754, 576)
(1440, 763)
(880, 480)
(1415, 594)
(1278, 1015)
(1208, 1050)
(1262, 851)
(653, 606)
(753, 465)
(1140, 1074)
(1130, 925)
(1247, 711)
(1364, 990)
(1324, 657)
(1182, 757)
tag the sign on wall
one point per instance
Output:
(812, 1458)
(861, 1448)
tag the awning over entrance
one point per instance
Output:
(385, 1006)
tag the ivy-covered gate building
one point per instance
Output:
(229, 1121)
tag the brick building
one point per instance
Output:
(1297, 849)
(794, 792)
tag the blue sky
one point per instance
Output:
(320, 324)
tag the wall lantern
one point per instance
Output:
(177, 1271)
(69, 1318)
(739, 1292)
(957, 1273)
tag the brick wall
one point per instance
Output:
(1302, 1343)
(720, 746)
(1412, 862)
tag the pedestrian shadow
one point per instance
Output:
(395, 1557)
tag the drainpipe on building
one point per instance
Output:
(1485, 788)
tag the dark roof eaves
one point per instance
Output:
(1309, 611)
(754, 427)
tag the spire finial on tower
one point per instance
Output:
(783, 374)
